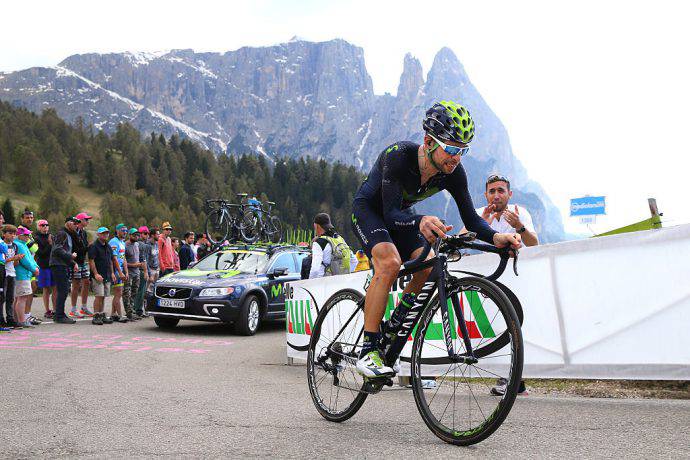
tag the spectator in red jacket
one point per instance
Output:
(165, 250)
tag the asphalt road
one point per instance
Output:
(135, 391)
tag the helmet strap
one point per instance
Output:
(430, 157)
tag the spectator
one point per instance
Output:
(117, 245)
(500, 218)
(25, 270)
(3, 256)
(44, 241)
(330, 253)
(27, 219)
(204, 248)
(186, 252)
(80, 279)
(12, 258)
(165, 250)
(362, 261)
(154, 261)
(62, 257)
(102, 265)
(144, 256)
(134, 266)
(176, 257)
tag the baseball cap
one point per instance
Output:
(133, 231)
(23, 231)
(166, 225)
(119, 227)
(324, 220)
(83, 216)
(42, 222)
(143, 229)
(102, 230)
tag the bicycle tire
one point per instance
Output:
(249, 230)
(474, 434)
(276, 232)
(217, 228)
(312, 366)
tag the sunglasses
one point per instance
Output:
(44, 225)
(451, 150)
(496, 178)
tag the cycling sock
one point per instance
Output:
(371, 342)
(391, 326)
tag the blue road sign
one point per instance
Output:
(588, 206)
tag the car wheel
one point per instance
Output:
(165, 323)
(250, 314)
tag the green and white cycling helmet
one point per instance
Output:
(448, 121)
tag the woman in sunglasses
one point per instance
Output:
(391, 231)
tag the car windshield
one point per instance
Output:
(242, 261)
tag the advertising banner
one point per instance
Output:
(612, 307)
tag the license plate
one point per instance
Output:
(171, 303)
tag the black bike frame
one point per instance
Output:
(435, 282)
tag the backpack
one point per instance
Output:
(340, 255)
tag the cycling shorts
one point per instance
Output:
(371, 230)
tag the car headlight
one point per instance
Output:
(216, 292)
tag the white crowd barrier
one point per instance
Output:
(615, 307)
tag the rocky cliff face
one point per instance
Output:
(296, 99)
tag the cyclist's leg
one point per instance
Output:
(410, 244)
(378, 245)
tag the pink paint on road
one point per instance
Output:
(46, 340)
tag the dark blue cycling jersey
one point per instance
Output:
(393, 186)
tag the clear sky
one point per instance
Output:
(594, 94)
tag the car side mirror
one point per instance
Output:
(281, 271)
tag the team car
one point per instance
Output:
(239, 285)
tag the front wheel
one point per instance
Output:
(460, 407)
(336, 339)
(217, 226)
(250, 314)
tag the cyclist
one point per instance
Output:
(390, 230)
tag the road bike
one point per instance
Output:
(261, 225)
(227, 221)
(466, 334)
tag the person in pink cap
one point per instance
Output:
(82, 275)
(44, 241)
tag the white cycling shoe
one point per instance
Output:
(372, 366)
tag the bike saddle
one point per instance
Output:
(271, 203)
(241, 194)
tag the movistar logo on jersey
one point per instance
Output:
(392, 148)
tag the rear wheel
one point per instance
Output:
(334, 384)
(217, 226)
(275, 229)
(460, 407)
(166, 323)
(249, 226)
